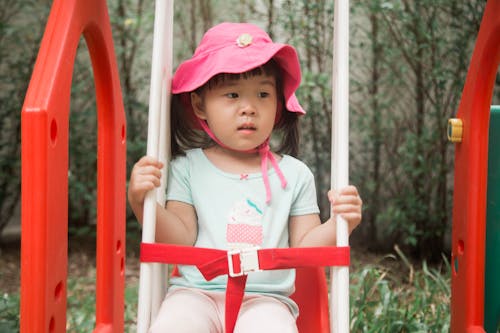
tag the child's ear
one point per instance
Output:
(197, 104)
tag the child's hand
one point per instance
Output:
(144, 177)
(347, 203)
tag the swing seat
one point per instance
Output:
(311, 295)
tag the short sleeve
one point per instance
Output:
(305, 200)
(178, 185)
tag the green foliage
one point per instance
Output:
(380, 303)
(131, 302)
(19, 35)
(80, 304)
(82, 176)
(9, 309)
(313, 39)
(412, 66)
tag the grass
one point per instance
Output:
(380, 303)
(81, 306)
(384, 298)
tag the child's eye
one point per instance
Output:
(263, 94)
(232, 95)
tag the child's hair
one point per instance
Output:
(186, 134)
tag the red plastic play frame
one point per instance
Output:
(45, 129)
(471, 161)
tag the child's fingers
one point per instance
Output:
(148, 160)
(349, 190)
(150, 181)
(146, 166)
(144, 184)
(140, 186)
(143, 179)
(332, 196)
(348, 200)
(346, 208)
(350, 213)
(348, 204)
(149, 170)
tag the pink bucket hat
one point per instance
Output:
(238, 48)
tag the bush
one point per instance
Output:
(9, 308)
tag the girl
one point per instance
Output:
(227, 189)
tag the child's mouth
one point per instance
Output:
(247, 127)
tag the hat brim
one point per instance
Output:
(197, 71)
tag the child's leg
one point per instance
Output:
(265, 314)
(187, 311)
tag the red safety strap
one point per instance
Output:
(237, 264)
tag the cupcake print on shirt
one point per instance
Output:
(244, 227)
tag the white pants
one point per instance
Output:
(188, 310)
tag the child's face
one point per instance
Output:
(241, 112)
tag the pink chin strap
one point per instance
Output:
(265, 155)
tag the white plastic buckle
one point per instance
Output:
(249, 261)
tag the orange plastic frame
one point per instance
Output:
(45, 123)
(471, 161)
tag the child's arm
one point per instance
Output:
(176, 223)
(307, 230)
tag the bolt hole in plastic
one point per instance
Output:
(122, 259)
(460, 247)
(58, 291)
(53, 131)
(123, 134)
(52, 325)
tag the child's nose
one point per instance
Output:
(247, 108)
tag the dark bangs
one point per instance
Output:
(270, 68)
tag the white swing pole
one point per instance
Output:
(159, 102)
(160, 271)
(339, 316)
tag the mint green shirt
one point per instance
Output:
(232, 213)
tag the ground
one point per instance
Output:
(81, 260)
(9, 267)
